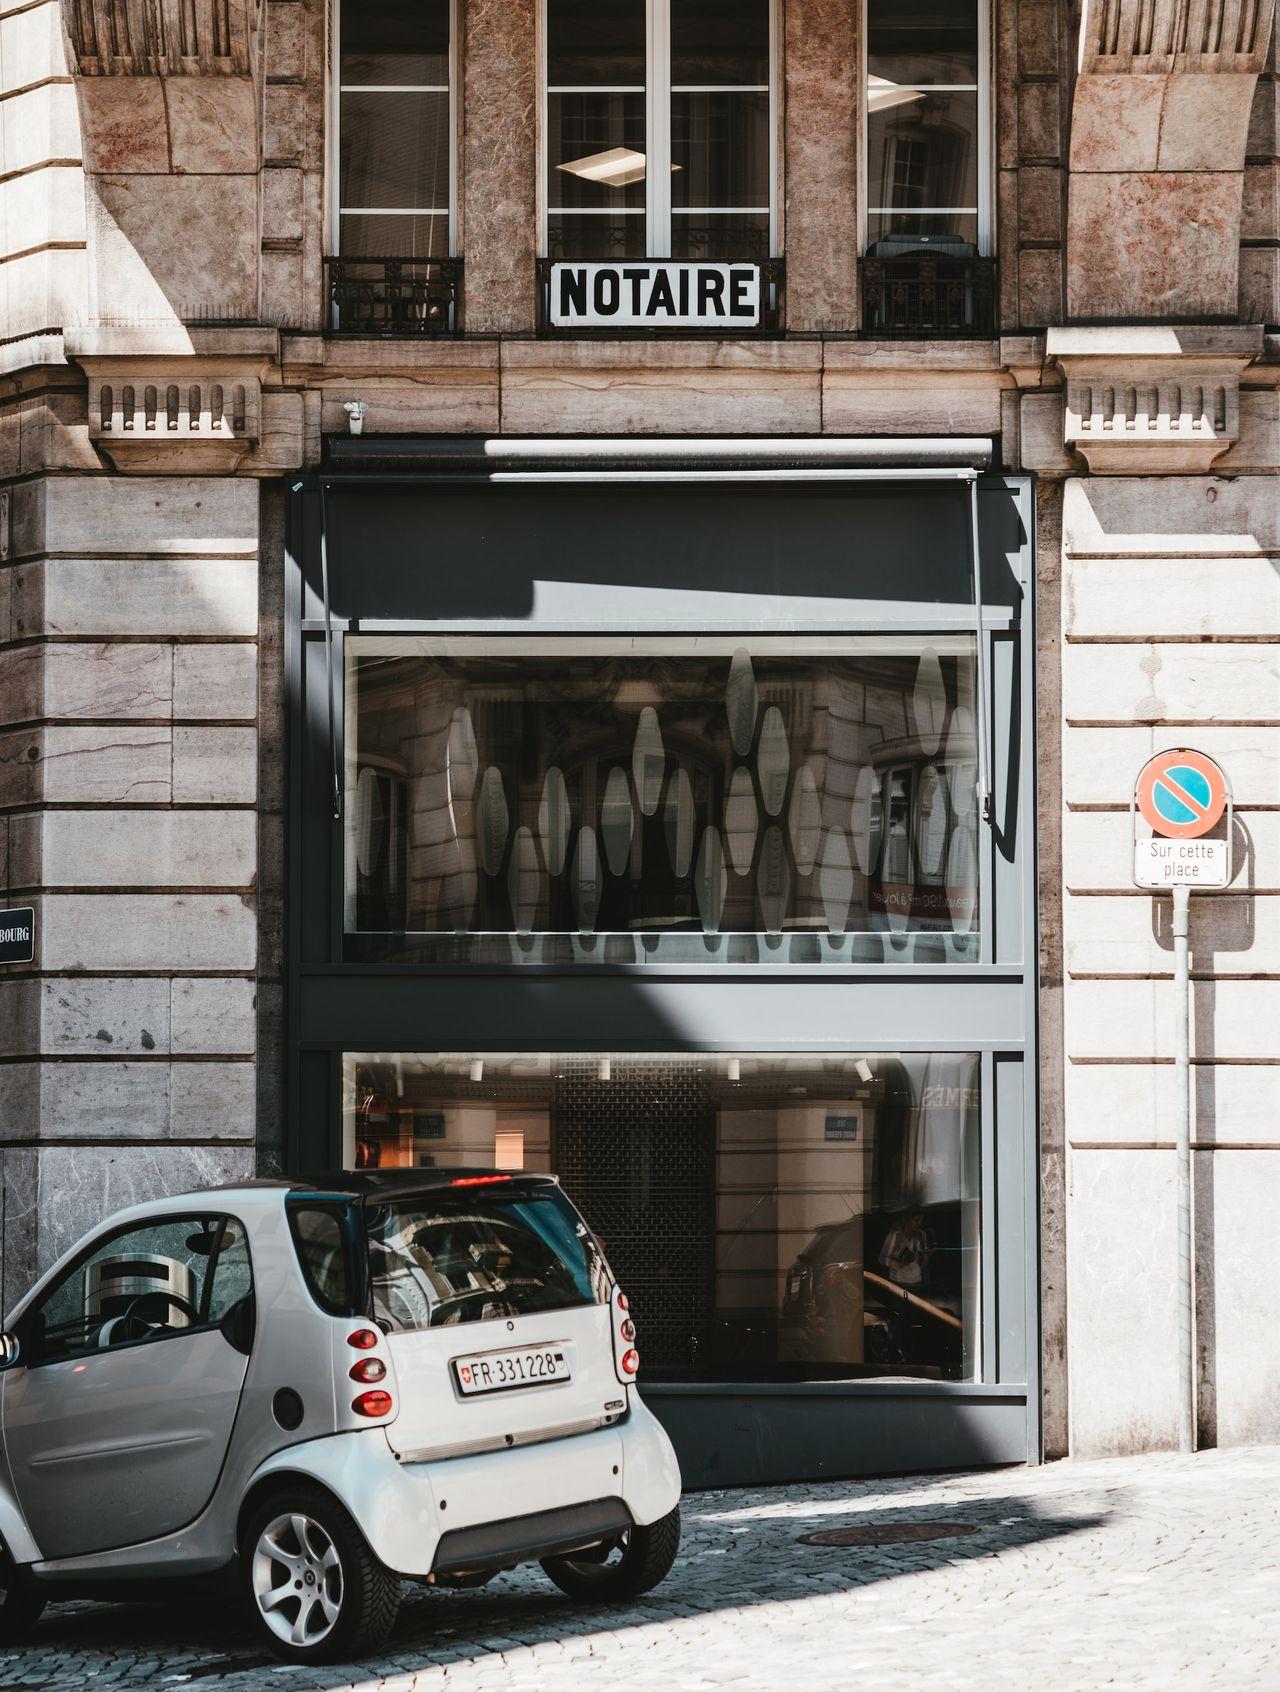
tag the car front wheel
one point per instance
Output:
(632, 1564)
(316, 1591)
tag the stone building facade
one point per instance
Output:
(168, 372)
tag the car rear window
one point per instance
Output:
(468, 1254)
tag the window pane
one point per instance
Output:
(395, 151)
(891, 233)
(720, 236)
(395, 237)
(771, 1216)
(720, 150)
(451, 1257)
(595, 43)
(232, 1277)
(922, 41)
(596, 150)
(395, 41)
(576, 236)
(924, 153)
(719, 41)
(319, 1241)
(731, 804)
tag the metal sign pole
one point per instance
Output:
(1182, 1088)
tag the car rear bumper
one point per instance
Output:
(524, 1539)
(405, 1509)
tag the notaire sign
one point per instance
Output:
(658, 295)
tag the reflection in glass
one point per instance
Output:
(619, 765)
(579, 235)
(597, 150)
(719, 41)
(817, 1216)
(388, 43)
(720, 151)
(930, 41)
(595, 43)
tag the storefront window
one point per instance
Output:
(927, 152)
(771, 1217)
(632, 800)
(658, 130)
(394, 124)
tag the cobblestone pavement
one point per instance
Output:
(1149, 1572)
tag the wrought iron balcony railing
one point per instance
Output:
(409, 297)
(927, 296)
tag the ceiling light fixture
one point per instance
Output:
(477, 1069)
(883, 94)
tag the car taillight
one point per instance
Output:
(626, 1359)
(364, 1339)
(372, 1404)
(368, 1369)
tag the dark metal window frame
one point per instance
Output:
(989, 1007)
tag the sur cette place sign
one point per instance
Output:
(655, 295)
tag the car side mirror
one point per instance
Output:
(10, 1350)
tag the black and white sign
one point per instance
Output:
(17, 936)
(1181, 863)
(655, 296)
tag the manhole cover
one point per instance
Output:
(888, 1533)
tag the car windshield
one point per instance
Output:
(470, 1253)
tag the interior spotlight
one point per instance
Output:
(477, 1069)
(863, 1070)
(604, 1070)
(735, 1069)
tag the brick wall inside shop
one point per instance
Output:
(637, 1154)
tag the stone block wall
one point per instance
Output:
(128, 795)
(1170, 636)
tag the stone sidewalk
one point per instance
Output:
(1152, 1572)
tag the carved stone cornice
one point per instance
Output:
(176, 402)
(163, 37)
(1155, 37)
(1159, 401)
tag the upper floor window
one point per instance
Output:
(659, 129)
(394, 129)
(926, 143)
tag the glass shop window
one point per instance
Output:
(659, 130)
(926, 128)
(770, 1216)
(394, 129)
(552, 800)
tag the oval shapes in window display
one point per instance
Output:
(773, 880)
(586, 880)
(741, 701)
(495, 819)
(931, 822)
(524, 880)
(929, 702)
(617, 820)
(773, 761)
(711, 881)
(680, 819)
(804, 820)
(648, 761)
(862, 815)
(462, 757)
(741, 819)
(962, 879)
(835, 881)
(555, 821)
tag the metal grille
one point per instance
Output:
(394, 296)
(928, 296)
(636, 1154)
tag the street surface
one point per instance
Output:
(1145, 1572)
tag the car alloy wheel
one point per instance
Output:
(297, 1579)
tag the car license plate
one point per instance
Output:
(498, 1371)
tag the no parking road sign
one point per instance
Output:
(1181, 795)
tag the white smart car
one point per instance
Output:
(323, 1388)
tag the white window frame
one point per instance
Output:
(658, 89)
(336, 90)
(986, 140)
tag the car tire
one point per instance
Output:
(349, 1602)
(21, 1601)
(644, 1559)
